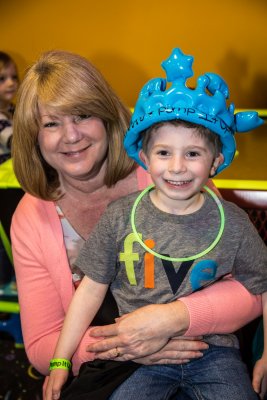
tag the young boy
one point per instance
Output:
(173, 238)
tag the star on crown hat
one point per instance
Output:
(205, 105)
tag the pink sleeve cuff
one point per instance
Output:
(201, 314)
(222, 307)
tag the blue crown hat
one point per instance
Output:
(205, 105)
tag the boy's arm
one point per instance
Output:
(84, 306)
(259, 380)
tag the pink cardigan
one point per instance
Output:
(45, 287)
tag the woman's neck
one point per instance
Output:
(82, 201)
(81, 188)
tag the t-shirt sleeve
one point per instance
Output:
(250, 267)
(97, 258)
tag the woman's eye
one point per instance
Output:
(49, 124)
(82, 117)
(2, 79)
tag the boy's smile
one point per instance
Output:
(180, 163)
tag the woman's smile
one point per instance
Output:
(75, 153)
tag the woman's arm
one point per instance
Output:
(45, 287)
(220, 308)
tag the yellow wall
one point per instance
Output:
(127, 40)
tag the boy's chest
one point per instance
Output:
(171, 257)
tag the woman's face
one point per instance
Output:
(75, 146)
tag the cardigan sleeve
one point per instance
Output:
(44, 283)
(222, 307)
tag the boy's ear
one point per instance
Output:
(143, 157)
(216, 163)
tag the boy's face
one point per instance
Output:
(8, 83)
(180, 163)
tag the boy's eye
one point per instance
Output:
(163, 153)
(192, 154)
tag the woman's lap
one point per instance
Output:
(219, 374)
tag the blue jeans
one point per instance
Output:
(219, 374)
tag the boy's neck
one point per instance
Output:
(178, 207)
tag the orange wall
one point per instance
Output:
(127, 40)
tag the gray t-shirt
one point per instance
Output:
(112, 254)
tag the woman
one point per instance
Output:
(69, 159)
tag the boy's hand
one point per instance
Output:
(259, 381)
(56, 380)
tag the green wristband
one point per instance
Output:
(60, 363)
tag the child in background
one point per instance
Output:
(8, 88)
(173, 238)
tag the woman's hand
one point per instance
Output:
(178, 350)
(144, 335)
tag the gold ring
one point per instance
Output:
(117, 352)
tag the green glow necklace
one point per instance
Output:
(175, 259)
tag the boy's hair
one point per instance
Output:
(211, 138)
(5, 60)
(69, 84)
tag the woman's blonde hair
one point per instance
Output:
(69, 84)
